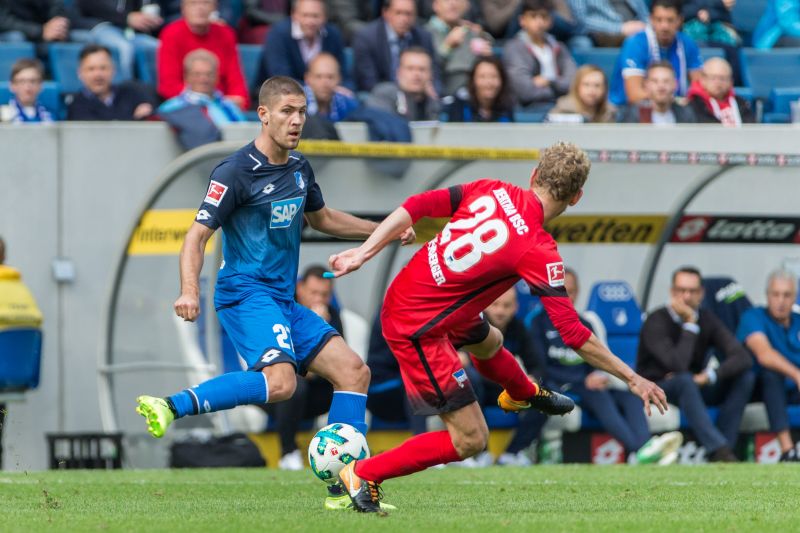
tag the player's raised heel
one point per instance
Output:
(365, 495)
(156, 413)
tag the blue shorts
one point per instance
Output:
(266, 331)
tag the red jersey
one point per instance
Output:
(495, 237)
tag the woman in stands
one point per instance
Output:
(487, 96)
(587, 100)
(26, 84)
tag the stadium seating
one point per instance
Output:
(765, 70)
(250, 59)
(50, 97)
(707, 52)
(780, 104)
(10, 53)
(20, 358)
(605, 58)
(64, 60)
(614, 304)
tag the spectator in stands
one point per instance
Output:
(411, 97)
(258, 18)
(518, 340)
(26, 84)
(673, 352)
(539, 67)
(197, 30)
(619, 411)
(779, 25)
(292, 43)
(458, 42)
(709, 23)
(587, 98)
(200, 110)
(322, 80)
(313, 394)
(609, 22)
(487, 97)
(100, 99)
(772, 333)
(378, 46)
(659, 105)
(661, 41)
(498, 15)
(123, 26)
(39, 21)
(712, 98)
(350, 16)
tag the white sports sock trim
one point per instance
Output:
(266, 387)
(350, 392)
(196, 399)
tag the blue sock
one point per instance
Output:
(222, 392)
(349, 408)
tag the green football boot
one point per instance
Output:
(157, 413)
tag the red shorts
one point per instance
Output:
(434, 378)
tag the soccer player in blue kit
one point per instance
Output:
(259, 196)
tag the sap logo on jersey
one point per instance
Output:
(555, 274)
(216, 191)
(283, 212)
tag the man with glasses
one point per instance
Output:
(674, 352)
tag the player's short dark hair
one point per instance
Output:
(278, 86)
(90, 49)
(537, 5)
(677, 5)
(26, 63)
(562, 170)
(666, 65)
(314, 271)
(687, 269)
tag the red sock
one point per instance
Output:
(415, 454)
(504, 370)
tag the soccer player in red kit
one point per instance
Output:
(495, 237)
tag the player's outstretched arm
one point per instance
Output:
(599, 356)
(346, 226)
(397, 223)
(187, 306)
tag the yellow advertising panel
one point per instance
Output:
(161, 232)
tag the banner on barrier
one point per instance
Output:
(161, 232)
(748, 229)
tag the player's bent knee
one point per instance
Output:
(281, 385)
(471, 442)
(487, 348)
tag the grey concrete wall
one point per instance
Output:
(75, 191)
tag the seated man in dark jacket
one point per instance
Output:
(660, 106)
(100, 99)
(712, 98)
(673, 349)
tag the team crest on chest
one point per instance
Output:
(298, 178)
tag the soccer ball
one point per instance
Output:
(333, 447)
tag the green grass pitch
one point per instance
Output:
(714, 498)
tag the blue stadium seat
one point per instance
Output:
(496, 418)
(20, 358)
(746, 14)
(50, 97)
(765, 70)
(146, 65)
(64, 59)
(615, 305)
(707, 52)
(746, 93)
(605, 58)
(10, 53)
(250, 58)
(780, 104)
(531, 116)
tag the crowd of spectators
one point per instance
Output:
(456, 60)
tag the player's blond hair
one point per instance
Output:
(562, 171)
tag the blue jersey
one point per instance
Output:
(260, 208)
(785, 340)
(641, 50)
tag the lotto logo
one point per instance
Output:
(284, 211)
(216, 191)
(606, 450)
(555, 274)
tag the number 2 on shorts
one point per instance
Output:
(282, 336)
